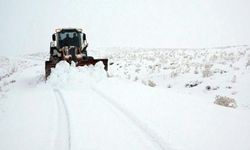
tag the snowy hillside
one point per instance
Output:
(221, 71)
(166, 99)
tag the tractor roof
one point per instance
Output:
(68, 30)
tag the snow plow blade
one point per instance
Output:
(50, 64)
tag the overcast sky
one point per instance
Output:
(27, 25)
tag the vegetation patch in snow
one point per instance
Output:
(225, 101)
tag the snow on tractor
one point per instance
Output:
(70, 44)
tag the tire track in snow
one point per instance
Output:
(61, 104)
(150, 134)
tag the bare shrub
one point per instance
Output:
(209, 88)
(225, 101)
(136, 78)
(144, 82)
(229, 87)
(207, 71)
(173, 74)
(196, 70)
(233, 79)
(234, 92)
(137, 70)
(13, 69)
(110, 75)
(151, 83)
(248, 63)
(192, 84)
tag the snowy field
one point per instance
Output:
(166, 99)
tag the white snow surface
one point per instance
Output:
(149, 99)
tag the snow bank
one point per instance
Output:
(64, 74)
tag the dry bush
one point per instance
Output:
(209, 88)
(136, 78)
(144, 82)
(151, 83)
(233, 79)
(196, 70)
(192, 84)
(169, 86)
(174, 74)
(207, 71)
(225, 101)
(248, 63)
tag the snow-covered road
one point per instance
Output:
(82, 108)
(102, 123)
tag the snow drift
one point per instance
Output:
(65, 75)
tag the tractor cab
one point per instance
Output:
(68, 44)
(69, 37)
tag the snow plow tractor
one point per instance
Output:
(70, 44)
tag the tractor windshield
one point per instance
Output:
(69, 38)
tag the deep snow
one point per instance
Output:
(149, 99)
